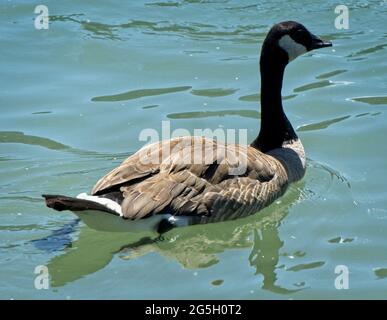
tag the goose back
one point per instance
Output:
(193, 176)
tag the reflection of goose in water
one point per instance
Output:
(193, 248)
(197, 180)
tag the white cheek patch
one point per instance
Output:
(293, 48)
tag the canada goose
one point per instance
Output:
(174, 192)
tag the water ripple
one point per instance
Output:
(212, 93)
(373, 100)
(220, 113)
(321, 125)
(256, 97)
(195, 30)
(164, 4)
(305, 266)
(314, 85)
(141, 93)
(381, 273)
(367, 51)
(20, 137)
(340, 240)
(331, 74)
(150, 106)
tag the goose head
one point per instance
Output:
(289, 39)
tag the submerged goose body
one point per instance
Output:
(192, 180)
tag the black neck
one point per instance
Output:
(275, 126)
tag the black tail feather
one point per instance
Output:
(60, 203)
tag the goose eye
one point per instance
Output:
(299, 35)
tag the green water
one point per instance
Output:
(75, 98)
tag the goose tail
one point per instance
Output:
(104, 214)
(60, 203)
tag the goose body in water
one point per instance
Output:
(199, 180)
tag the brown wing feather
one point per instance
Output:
(144, 163)
(192, 177)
